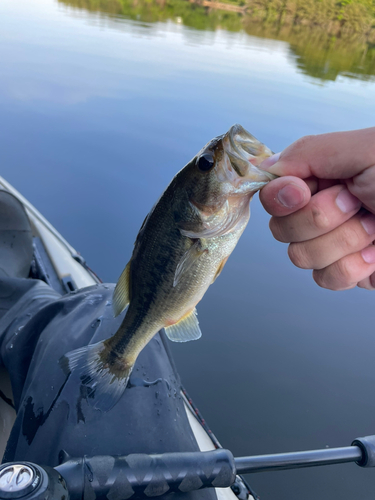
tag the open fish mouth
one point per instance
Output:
(246, 153)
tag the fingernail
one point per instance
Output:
(368, 254)
(268, 162)
(368, 222)
(291, 196)
(346, 201)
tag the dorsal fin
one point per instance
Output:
(186, 329)
(121, 295)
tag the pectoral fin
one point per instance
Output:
(121, 296)
(186, 329)
(188, 259)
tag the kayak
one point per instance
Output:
(54, 444)
(58, 305)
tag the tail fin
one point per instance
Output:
(101, 370)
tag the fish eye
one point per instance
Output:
(205, 162)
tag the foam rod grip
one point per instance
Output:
(139, 475)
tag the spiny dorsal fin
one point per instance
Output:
(188, 259)
(186, 329)
(121, 296)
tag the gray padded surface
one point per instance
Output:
(16, 242)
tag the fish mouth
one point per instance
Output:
(246, 153)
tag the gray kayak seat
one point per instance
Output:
(54, 416)
(16, 240)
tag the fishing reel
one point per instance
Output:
(27, 481)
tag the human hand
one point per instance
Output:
(328, 217)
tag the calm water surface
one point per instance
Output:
(98, 112)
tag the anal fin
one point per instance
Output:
(186, 329)
(121, 295)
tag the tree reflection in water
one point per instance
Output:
(324, 43)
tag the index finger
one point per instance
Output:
(337, 155)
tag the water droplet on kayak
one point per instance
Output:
(96, 323)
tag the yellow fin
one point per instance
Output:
(186, 329)
(220, 268)
(121, 296)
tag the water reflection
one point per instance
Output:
(321, 54)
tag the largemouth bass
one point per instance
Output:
(180, 250)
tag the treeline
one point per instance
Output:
(322, 44)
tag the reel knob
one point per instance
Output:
(27, 481)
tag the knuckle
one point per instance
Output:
(299, 256)
(361, 185)
(360, 181)
(338, 276)
(303, 142)
(319, 219)
(349, 239)
(365, 284)
(276, 229)
(266, 196)
(344, 271)
(319, 276)
(297, 150)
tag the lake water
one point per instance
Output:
(99, 110)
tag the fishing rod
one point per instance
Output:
(145, 476)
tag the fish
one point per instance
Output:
(180, 250)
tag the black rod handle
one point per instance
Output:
(139, 475)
